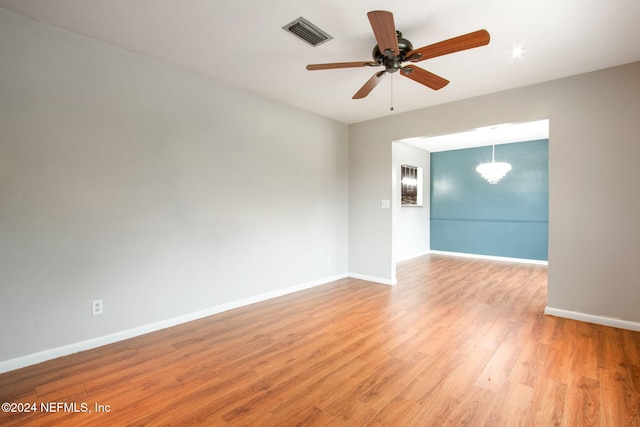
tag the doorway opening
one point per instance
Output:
(412, 229)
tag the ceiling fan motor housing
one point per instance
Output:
(393, 63)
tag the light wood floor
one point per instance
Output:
(456, 342)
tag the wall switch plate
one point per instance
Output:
(96, 307)
(386, 204)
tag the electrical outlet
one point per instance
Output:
(96, 307)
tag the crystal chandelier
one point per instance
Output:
(494, 171)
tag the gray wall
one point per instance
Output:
(159, 191)
(411, 223)
(594, 197)
(164, 193)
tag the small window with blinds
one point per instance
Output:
(411, 185)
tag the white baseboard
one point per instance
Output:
(42, 356)
(591, 318)
(490, 257)
(374, 279)
(408, 257)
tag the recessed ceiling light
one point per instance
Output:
(516, 52)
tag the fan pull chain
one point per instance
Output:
(391, 109)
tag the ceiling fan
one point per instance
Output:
(392, 50)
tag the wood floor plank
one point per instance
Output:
(359, 415)
(512, 406)
(530, 362)
(631, 347)
(494, 336)
(440, 404)
(543, 328)
(617, 384)
(427, 381)
(548, 404)
(609, 348)
(473, 408)
(557, 365)
(634, 373)
(582, 407)
(496, 372)
(584, 359)
(397, 409)
(456, 342)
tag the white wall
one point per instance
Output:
(410, 223)
(159, 191)
(594, 199)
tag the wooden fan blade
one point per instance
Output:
(424, 77)
(456, 44)
(385, 31)
(369, 85)
(330, 66)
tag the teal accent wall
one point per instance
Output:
(508, 219)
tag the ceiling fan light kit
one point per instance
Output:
(393, 50)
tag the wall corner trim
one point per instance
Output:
(412, 256)
(591, 318)
(53, 353)
(388, 282)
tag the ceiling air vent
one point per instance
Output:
(308, 32)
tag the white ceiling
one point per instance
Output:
(241, 43)
(504, 133)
